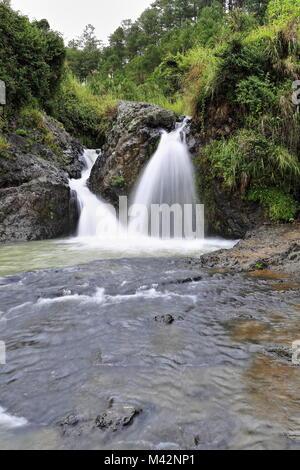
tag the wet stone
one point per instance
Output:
(187, 280)
(167, 319)
(68, 423)
(280, 352)
(117, 417)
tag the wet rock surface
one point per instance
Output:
(35, 199)
(227, 214)
(130, 143)
(271, 247)
(167, 319)
(117, 416)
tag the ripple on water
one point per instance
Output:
(79, 338)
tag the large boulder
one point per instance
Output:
(130, 143)
(35, 199)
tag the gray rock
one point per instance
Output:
(130, 143)
(270, 247)
(35, 200)
(117, 417)
(167, 319)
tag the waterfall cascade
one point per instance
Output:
(94, 212)
(167, 179)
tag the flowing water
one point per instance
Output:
(87, 340)
(168, 179)
(198, 354)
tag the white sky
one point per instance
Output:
(71, 16)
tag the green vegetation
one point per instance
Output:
(22, 132)
(83, 114)
(31, 118)
(250, 159)
(118, 181)
(31, 59)
(281, 206)
(4, 146)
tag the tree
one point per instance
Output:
(43, 25)
(31, 59)
(149, 22)
(84, 53)
(134, 41)
(118, 46)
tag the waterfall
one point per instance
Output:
(168, 179)
(95, 215)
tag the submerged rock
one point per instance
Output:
(167, 319)
(117, 417)
(130, 143)
(35, 199)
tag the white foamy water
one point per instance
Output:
(95, 216)
(99, 297)
(167, 179)
(8, 421)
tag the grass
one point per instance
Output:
(31, 118)
(4, 146)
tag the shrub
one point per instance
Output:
(282, 10)
(281, 206)
(256, 94)
(82, 113)
(31, 118)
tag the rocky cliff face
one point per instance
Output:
(227, 214)
(35, 199)
(130, 143)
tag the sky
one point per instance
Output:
(69, 17)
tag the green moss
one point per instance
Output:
(22, 132)
(260, 265)
(118, 182)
